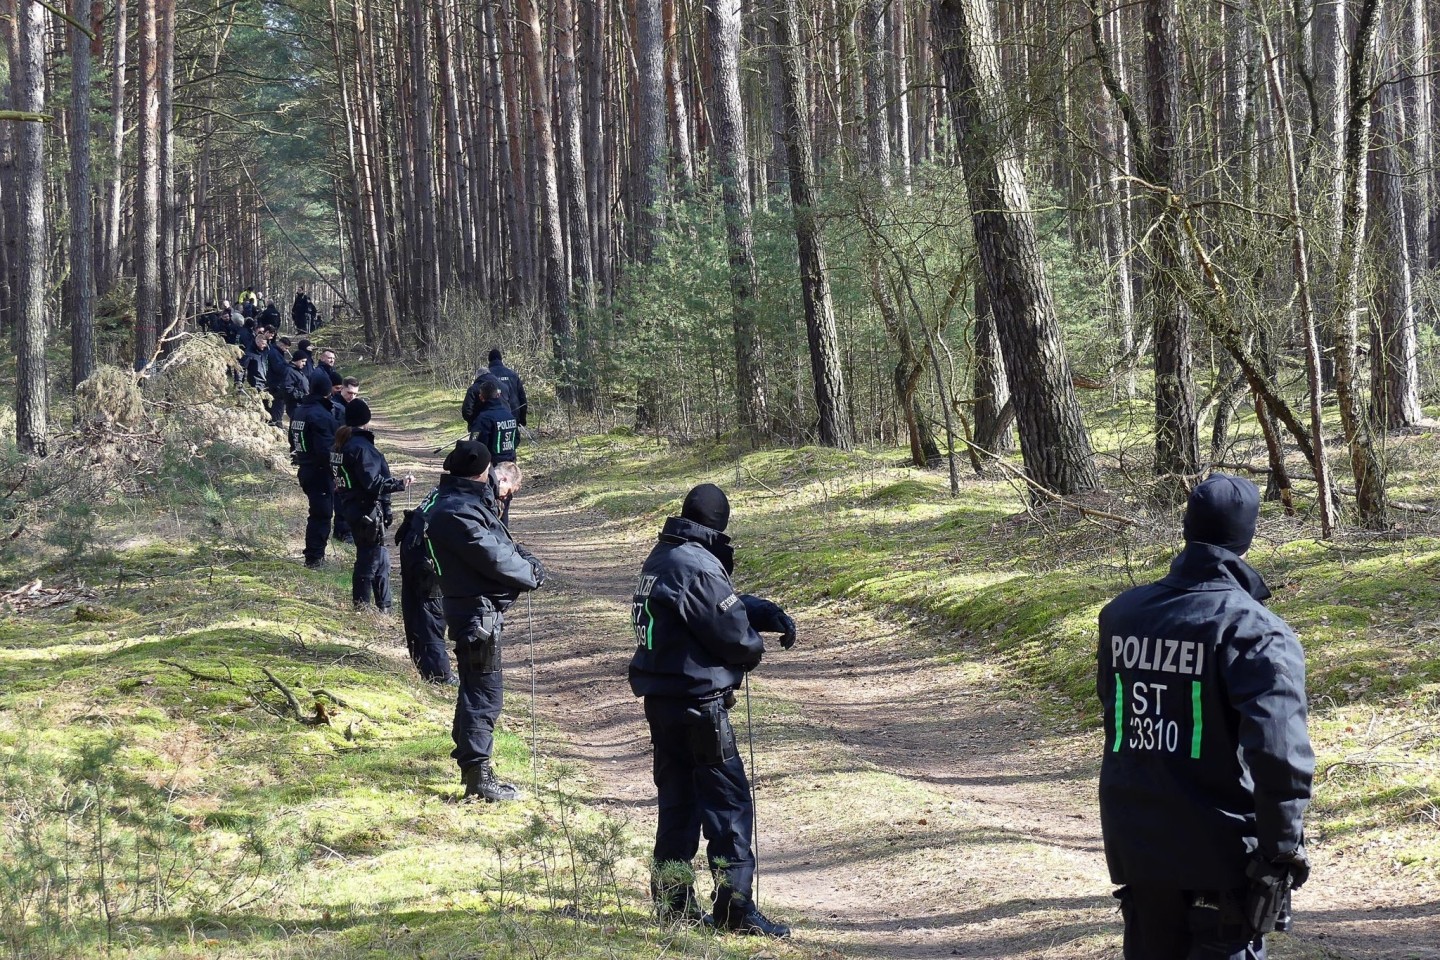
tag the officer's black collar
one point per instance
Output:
(466, 485)
(362, 432)
(680, 530)
(1204, 566)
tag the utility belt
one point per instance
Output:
(475, 627)
(705, 724)
(1234, 916)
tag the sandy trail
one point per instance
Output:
(912, 805)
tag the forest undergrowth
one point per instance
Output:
(206, 753)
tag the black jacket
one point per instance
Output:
(362, 476)
(1207, 757)
(312, 429)
(473, 553)
(513, 391)
(473, 401)
(295, 386)
(257, 366)
(692, 634)
(495, 426)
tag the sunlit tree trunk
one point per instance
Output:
(147, 208)
(32, 400)
(80, 285)
(722, 19)
(1053, 440)
(825, 370)
(1370, 499)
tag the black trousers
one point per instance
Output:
(1168, 924)
(370, 580)
(319, 487)
(475, 627)
(703, 790)
(424, 631)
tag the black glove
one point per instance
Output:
(787, 631)
(1267, 897)
(1299, 865)
(539, 569)
(765, 615)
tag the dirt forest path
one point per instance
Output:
(911, 805)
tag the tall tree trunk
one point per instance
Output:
(1394, 345)
(868, 66)
(425, 248)
(1177, 438)
(1415, 64)
(32, 401)
(679, 111)
(1053, 440)
(557, 275)
(110, 270)
(147, 210)
(80, 285)
(825, 370)
(994, 408)
(1365, 465)
(650, 147)
(722, 20)
(169, 212)
(1301, 260)
(581, 255)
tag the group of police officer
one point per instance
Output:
(1207, 763)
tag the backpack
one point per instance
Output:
(417, 559)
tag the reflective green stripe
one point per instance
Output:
(345, 477)
(1197, 714)
(433, 559)
(1119, 714)
(649, 628)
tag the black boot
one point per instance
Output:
(749, 921)
(480, 782)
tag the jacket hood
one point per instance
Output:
(681, 530)
(1204, 565)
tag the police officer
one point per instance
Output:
(482, 571)
(494, 425)
(312, 438)
(364, 485)
(695, 641)
(1207, 766)
(420, 598)
(512, 386)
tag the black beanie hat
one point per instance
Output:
(1223, 511)
(357, 413)
(319, 384)
(494, 354)
(708, 506)
(335, 378)
(470, 458)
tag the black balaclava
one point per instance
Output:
(1223, 511)
(494, 357)
(708, 506)
(357, 413)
